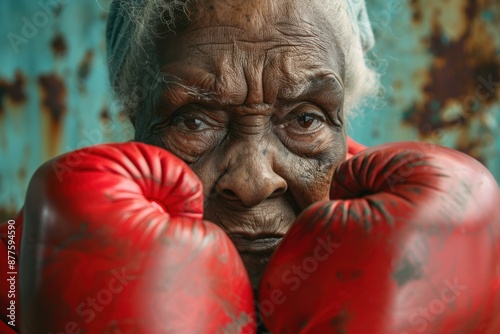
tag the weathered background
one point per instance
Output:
(439, 60)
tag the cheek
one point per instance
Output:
(310, 178)
(206, 170)
(309, 182)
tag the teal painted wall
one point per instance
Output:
(439, 60)
(440, 65)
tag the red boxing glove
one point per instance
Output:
(114, 243)
(410, 243)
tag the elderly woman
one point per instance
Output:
(252, 95)
(240, 109)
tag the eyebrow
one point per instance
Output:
(174, 88)
(320, 86)
(326, 83)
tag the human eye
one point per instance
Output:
(191, 131)
(190, 123)
(304, 120)
(193, 119)
(307, 130)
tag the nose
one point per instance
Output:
(250, 178)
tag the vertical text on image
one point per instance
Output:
(11, 272)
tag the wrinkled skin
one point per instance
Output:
(255, 107)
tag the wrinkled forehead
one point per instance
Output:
(257, 14)
(260, 24)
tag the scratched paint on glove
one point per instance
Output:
(440, 62)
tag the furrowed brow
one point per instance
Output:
(314, 85)
(175, 90)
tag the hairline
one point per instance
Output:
(156, 15)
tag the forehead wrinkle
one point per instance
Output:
(180, 93)
(269, 39)
(289, 28)
(203, 86)
(315, 83)
(266, 45)
(279, 38)
(270, 55)
(210, 35)
(276, 32)
(325, 34)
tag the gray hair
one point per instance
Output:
(137, 81)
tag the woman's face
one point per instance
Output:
(255, 107)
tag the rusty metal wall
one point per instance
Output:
(440, 65)
(54, 93)
(439, 60)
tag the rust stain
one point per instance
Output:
(84, 69)
(22, 175)
(14, 91)
(123, 116)
(416, 11)
(53, 96)
(53, 99)
(17, 93)
(58, 45)
(459, 85)
(105, 115)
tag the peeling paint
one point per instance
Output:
(53, 102)
(58, 45)
(14, 91)
(53, 92)
(105, 115)
(457, 89)
(84, 69)
(416, 12)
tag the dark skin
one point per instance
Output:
(255, 108)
